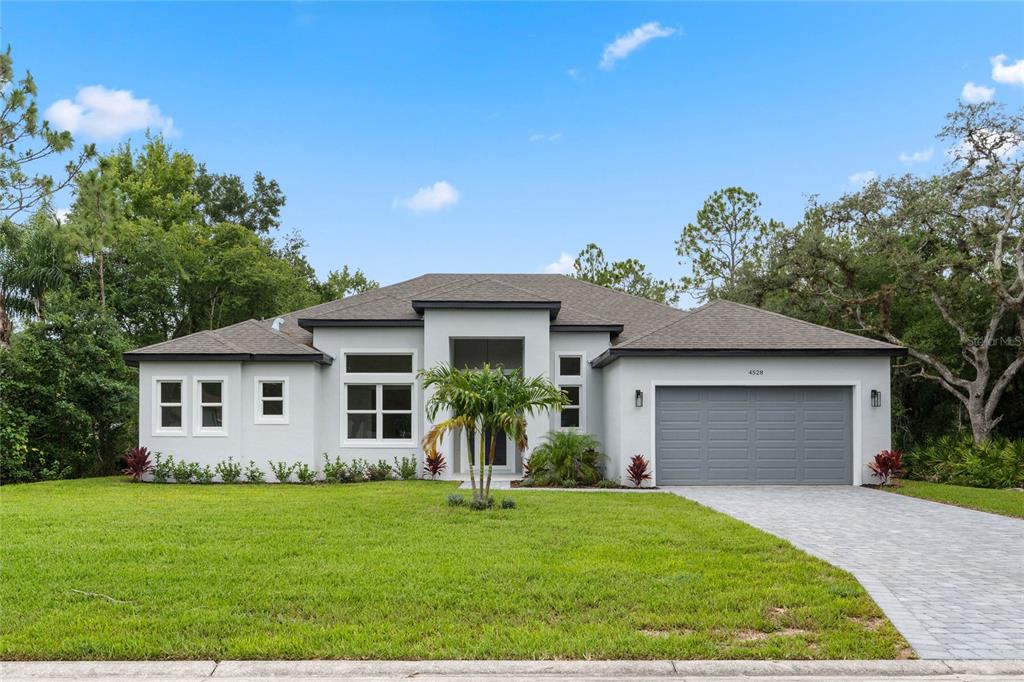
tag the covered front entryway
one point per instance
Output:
(473, 353)
(720, 435)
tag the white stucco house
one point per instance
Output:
(722, 394)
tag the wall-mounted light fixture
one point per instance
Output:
(876, 398)
(639, 398)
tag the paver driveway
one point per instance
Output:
(950, 579)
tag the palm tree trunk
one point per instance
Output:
(472, 478)
(490, 464)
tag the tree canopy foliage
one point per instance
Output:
(628, 275)
(154, 246)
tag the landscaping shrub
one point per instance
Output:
(456, 500)
(334, 471)
(202, 474)
(639, 470)
(282, 470)
(379, 471)
(163, 469)
(434, 464)
(508, 503)
(566, 456)
(405, 468)
(305, 473)
(229, 471)
(358, 470)
(478, 504)
(998, 463)
(136, 463)
(887, 465)
(182, 472)
(253, 473)
(608, 483)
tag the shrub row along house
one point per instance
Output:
(725, 393)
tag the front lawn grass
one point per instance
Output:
(1005, 502)
(105, 569)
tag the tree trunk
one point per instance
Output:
(472, 479)
(6, 326)
(103, 284)
(490, 464)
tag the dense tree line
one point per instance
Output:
(154, 246)
(935, 264)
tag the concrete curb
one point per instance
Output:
(200, 670)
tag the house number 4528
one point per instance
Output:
(756, 372)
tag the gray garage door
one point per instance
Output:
(718, 435)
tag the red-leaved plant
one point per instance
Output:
(887, 465)
(434, 464)
(638, 470)
(136, 463)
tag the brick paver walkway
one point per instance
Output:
(950, 579)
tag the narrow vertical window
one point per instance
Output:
(570, 416)
(210, 406)
(169, 408)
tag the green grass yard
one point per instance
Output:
(105, 569)
(1005, 502)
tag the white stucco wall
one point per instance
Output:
(336, 341)
(589, 345)
(630, 430)
(242, 438)
(532, 326)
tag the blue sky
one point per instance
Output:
(541, 146)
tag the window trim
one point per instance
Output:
(572, 381)
(158, 428)
(378, 379)
(198, 429)
(258, 416)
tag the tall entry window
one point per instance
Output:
(570, 378)
(377, 397)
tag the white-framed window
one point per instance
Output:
(570, 417)
(211, 406)
(378, 396)
(271, 400)
(570, 376)
(169, 406)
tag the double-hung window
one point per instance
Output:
(271, 398)
(569, 370)
(377, 397)
(211, 406)
(169, 417)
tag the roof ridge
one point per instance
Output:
(226, 342)
(621, 292)
(280, 334)
(804, 322)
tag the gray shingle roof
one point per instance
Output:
(646, 327)
(248, 340)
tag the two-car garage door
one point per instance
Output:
(708, 435)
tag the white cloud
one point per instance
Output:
(565, 265)
(545, 137)
(1012, 74)
(433, 198)
(976, 94)
(922, 156)
(107, 114)
(863, 177)
(625, 44)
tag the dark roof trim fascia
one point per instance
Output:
(613, 329)
(310, 322)
(133, 359)
(612, 354)
(552, 306)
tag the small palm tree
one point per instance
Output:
(487, 401)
